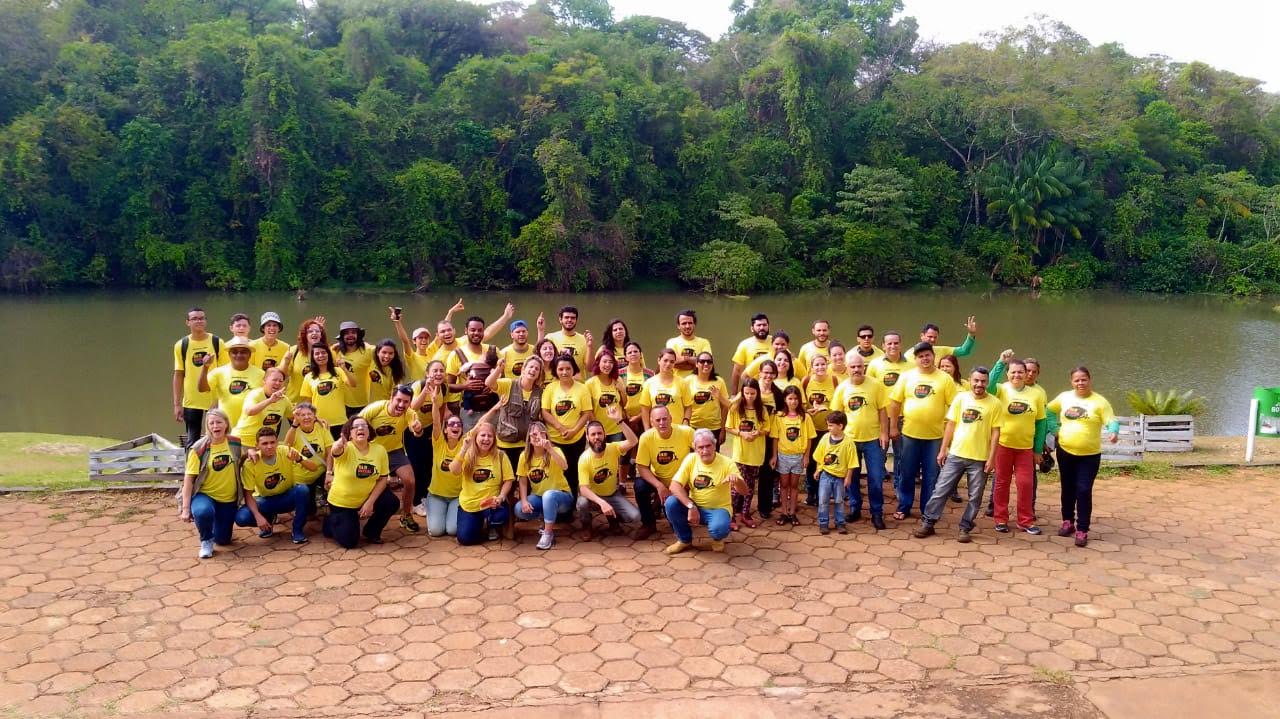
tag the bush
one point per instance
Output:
(1170, 402)
(1071, 273)
(721, 266)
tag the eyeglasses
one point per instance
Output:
(704, 361)
(453, 423)
(865, 337)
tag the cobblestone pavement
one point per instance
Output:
(105, 609)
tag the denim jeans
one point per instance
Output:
(442, 516)
(622, 507)
(472, 527)
(975, 472)
(296, 500)
(213, 520)
(919, 458)
(870, 459)
(716, 520)
(830, 488)
(548, 506)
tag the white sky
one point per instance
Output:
(1235, 35)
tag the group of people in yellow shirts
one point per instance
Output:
(552, 427)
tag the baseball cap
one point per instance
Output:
(270, 317)
(419, 331)
(518, 324)
(235, 342)
(922, 347)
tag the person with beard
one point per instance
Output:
(930, 332)
(600, 473)
(231, 383)
(268, 350)
(700, 494)
(820, 345)
(920, 398)
(750, 348)
(389, 419)
(687, 345)
(515, 354)
(356, 356)
(568, 341)
(660, 450)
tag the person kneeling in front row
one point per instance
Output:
(700, 493)
(357, 484)
(271, 487)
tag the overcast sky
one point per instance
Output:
(1235, 35)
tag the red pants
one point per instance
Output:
(1018, 464)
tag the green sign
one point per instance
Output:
(1268, 411)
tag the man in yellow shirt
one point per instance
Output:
(752, 347)
(661, 449)
(514, 354)
(269, 350)
(864, 401)
(820, 345)
(968, 448)
(271, 487)
(687, 345)
(568, 341)
(599, 475)
(700, 494)
(866, 346)
(920, 398)
(190, 354)
(930, 333)
(231, 383)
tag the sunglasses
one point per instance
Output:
(704, 361)
(865, 337)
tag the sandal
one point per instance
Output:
(782, 519)
(733, 526)
(795, 521)
(899, 516)
(748, 521)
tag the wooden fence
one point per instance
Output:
(147, 458)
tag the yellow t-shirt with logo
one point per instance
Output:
(575, 345)
(311, 445)
(1022, 408)
(264, 356)
(749, 453)
(888, 371)
(751, 348)
(793, 433)
(514, 359)
(635, 385)
(381, 382)
(297, 370)
(198, 352)
(357, 362)
(797, 368)
(568, 406)
(1083, 419)
(817, 391)
(706, 409)
(809, 350)
(875, 354)
(230, 386)
(602, 396)
(974, 419)
(220, 483)
(268, 480)
(246, 430)
(444, 483)
(325, 392)
(924, 399)
(388, 431)
(836, 457)
(415, 364)
(424, 412)
(688, 349)
(600, 473)
(707, 484)
(355, 473)
(484, 480)
(543, 474)
(861, 404)
(663, 456)
(656, 393)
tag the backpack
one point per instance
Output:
(515, 415)
(476, 401)
(201, 448)
(186, 346)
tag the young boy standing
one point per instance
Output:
(835, 458)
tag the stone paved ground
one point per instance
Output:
(104, 609)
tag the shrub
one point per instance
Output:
(1170, 402)
(721, 266)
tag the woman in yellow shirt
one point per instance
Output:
(266, 406)
(634, 374)
(951, 365)
(749, 423)
(298, 358)
(786, 367)
(211, 485)
(544, 491)
(566, 410)
(1084, 414)
(356, 479)
(387, 371)
(486, 483)
(665, 390)
(446, 444)
(708, 395)
(320, 386)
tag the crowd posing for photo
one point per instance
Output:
(554, 428)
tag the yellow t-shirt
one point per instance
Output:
(230, 387)
(1083, 419)
(809, 350)
(311, 445)
(656, 393)
(925, 399)
(357, 362)
(751, 348)
(198, 352)
(568, 406)
(325, 392)
(888, 371)
(707, 484)
(514, 359)
(424, 412)
(1022, 408)
(297, 376)
(974, 419)
(485, 480)
(688, 349)
(749, 453)
(415, 364)
(835, 457)
(663, 456)
(268, 480)
(453, 365)
(388, 431)
(543, 474)
(220, 484)
(797, 368)
(575, 345)
(875, 354)
(602, 396)
(792, 433)
(355, 473)
(635, 384)
(861, 404)
(381, 382)
(817, 391)
(706, 409)
(444, 483)
(265, 357)
(246, 430)
(600, 473)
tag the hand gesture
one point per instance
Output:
(541, 322)
(1113, 437)
(971, 325)
(277, 395)
(590, 339)
(263, 524)
(501, 366)
(510, 310)
(320, 320)
(614, 412)
(415, 425)
(457, 306)
(185, 514)
(366, 510)
(251, 456)
(392, 312)
(1006, 356)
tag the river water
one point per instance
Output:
(101, 363)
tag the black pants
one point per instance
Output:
(194, 421)
(572, 452)
(768, 477)
(647, 501)
(344, 524)
(1078, 474)
(513, 454)
(419, 451)
(810, 482)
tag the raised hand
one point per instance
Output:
(971, 325)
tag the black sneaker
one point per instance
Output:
(956, 498)
(266, 533)
(1002, 528)
(964, 537)
(856, 516)
(842, 529)
(877, 521)
(991, 511)
(406, 522)
(824, 529)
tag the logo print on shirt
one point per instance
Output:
(701, 396)
(516, 368)
(971, 415)
(237, 386)
(607, 399)
(481, 475)
(537, 475)
(829, 459)
(221, 461)
(817, 398)
(444, 464)
(746, 425)
(1076, 412)
(666, 456)
(686, 352)
(375, 376)
(793, 433)
(701, 481)
(922, 390)
(890, 378)
(271, 420)
(601, 475)
(856, 403)
(1017, 407)
(563, 407)
(271, 481)
(662, 400)
(384, 430)
(198, 358)
(634, 388)
(324, 388)
(365, 470)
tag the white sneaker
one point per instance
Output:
(546, 540)
(420, 508)
(493, 534)
(206, 548)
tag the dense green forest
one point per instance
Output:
(270, 144)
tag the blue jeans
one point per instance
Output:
(716, 520)
(975, 471)
(472, 527)
(442, 516)
(830, 488)
(919, 458)
(296, 500)
(870, 465)
(213, 520)
(551, 504)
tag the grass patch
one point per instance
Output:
(1054, 676)
(1146, 471)
(51, 461)
(1218, 469)
(125, 515)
